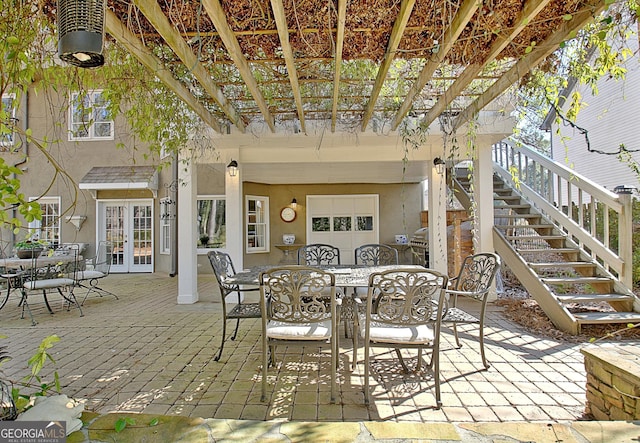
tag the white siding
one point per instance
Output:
(611, 118)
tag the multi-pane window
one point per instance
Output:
(89, 117)
(48, 228)
(212, 228)
(257, 224)
(7, 120)
(166, 217)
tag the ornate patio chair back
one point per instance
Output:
(104, 257)
(317, 254)
(477, 274)
(222, 267)
(376, 255)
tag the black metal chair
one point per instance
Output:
(223, 269)
(474, 281)
(299, 308)
(96, 268)
(404, 310)
(59, 276)
(317, 254)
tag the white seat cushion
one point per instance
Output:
(299, 331)
(48, 283)
(89, 274)
(386, 333)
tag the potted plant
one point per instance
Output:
(29, 248)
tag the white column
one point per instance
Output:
(233, 214)
(483, 196)
(437, 220)
(187, 233)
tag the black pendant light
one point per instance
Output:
(81, 32)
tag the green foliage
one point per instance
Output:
(34, 379)
(123, 422)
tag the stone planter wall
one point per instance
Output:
(613, 381)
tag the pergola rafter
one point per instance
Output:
(340, 61)
(527, 62)
(127, 39)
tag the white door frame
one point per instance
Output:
(128, 243)
(370, 206)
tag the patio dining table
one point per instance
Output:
(347, 276)
(14, 269)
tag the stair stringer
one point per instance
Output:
(540, 292)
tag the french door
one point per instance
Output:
(128, 224)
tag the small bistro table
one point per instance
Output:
(288, 258)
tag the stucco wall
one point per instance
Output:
(392, 197)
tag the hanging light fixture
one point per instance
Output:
(232, 167)
(81, 32)
(439, 164)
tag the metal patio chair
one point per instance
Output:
(404, 310)
(95, 269)
(299, 308)
(474, 281)
(317, 254)
(60, 276)
(223, 269)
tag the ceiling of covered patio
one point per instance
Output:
(352, 65)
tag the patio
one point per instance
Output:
(146, 354)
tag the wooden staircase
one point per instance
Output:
(571, 288)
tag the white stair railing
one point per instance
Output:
(584, 210)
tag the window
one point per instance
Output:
(212, 229)
(89, 117)
(48, 228)
(257, 224)
(166, 217)
(8, 120)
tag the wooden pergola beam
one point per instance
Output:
(127, 39)
(219, 19)
(463, 15)
(283, 33)
(528, 62)
(530, 10)
(342, 19)
(406, 7)
(156, 17)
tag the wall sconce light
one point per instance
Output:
(294, 203)
(439, 164)
(232, 167)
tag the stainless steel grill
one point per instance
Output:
(419, 244)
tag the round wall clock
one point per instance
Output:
(288, 214)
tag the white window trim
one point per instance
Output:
(267, 227)
(166, 217)
(200, 249)
(12, 137)
(91, 136)
(36, 225)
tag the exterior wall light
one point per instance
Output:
(439, 165)
(294, 203)
(232, 167)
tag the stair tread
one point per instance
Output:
(563, 264)
(525, 226)
(536, 237)
(523, 206)
(582, 298)
(558, 250)
(516, 215)
(581, 279)
(607, 317)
